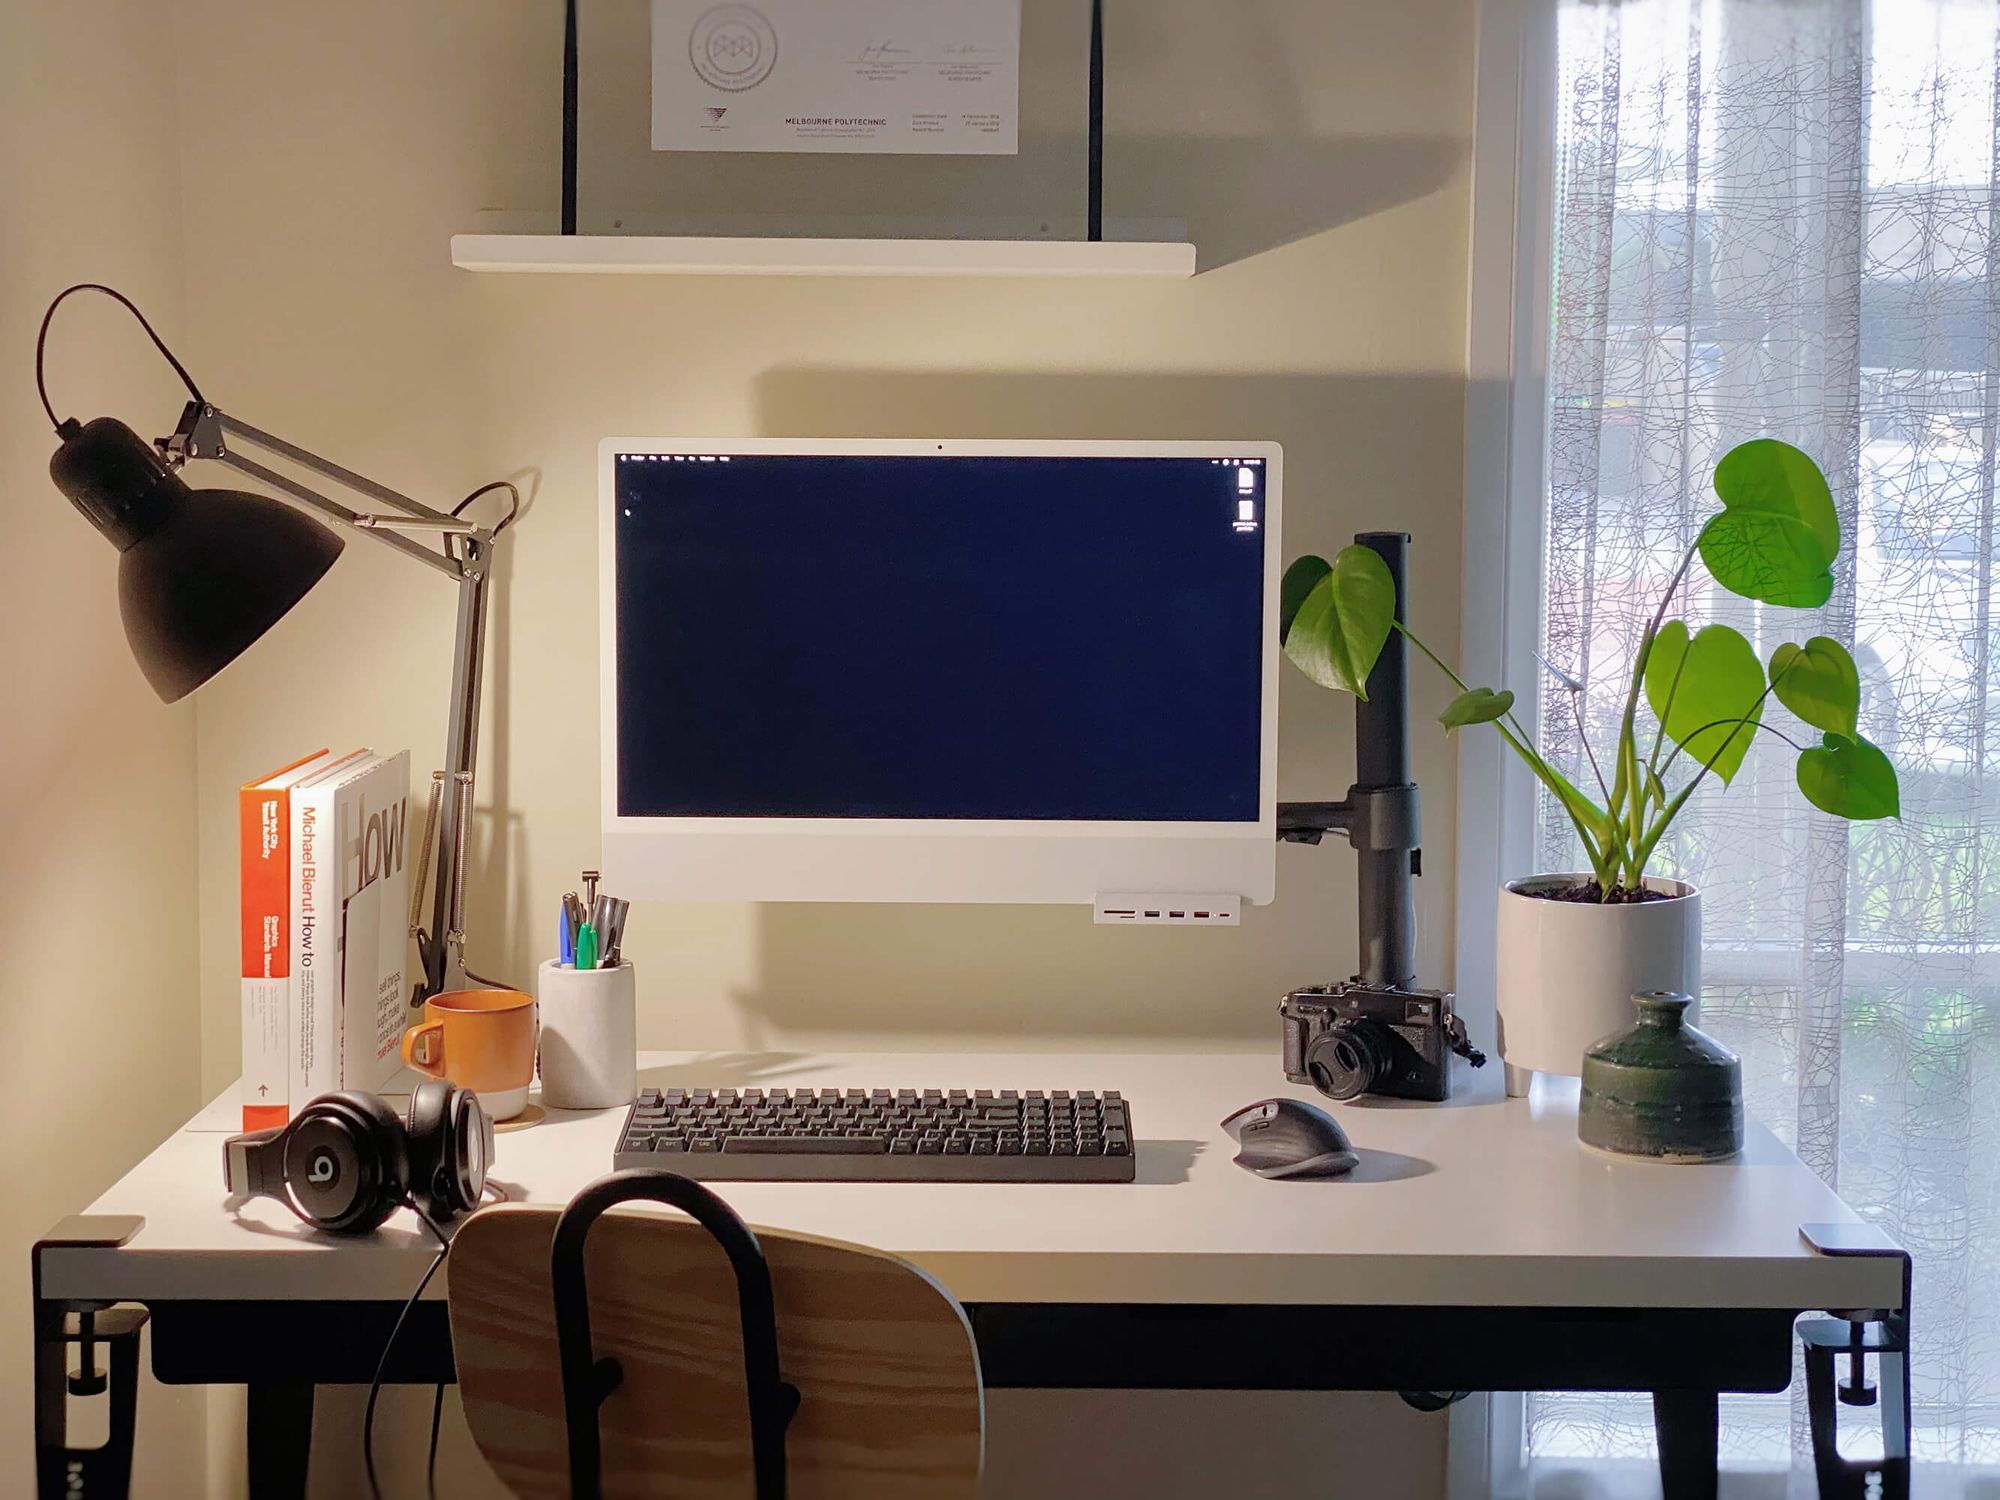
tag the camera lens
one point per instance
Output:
(1345, 1061)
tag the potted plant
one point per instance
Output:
(1574, 947)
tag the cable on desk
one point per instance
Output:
(431, 1464)
(382, 1365)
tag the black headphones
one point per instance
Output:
(348, 1161)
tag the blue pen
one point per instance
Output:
(565, 939)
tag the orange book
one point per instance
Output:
(264, 831)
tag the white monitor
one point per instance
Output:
(941, 670)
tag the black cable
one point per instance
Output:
(382, 1365)
(42, 339)
(513, 509)
(431, 1467)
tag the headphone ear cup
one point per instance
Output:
(435, 1179)
(346, 1163)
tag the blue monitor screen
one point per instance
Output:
(860, 636)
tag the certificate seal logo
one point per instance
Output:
(733, 47)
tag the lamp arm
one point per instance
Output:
(203, 434)
(204, 431)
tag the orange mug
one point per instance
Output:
(483, 1040)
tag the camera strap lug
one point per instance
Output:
(1455, 1037)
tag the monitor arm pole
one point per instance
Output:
(1379, 814)
(466, 557)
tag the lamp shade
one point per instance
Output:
(201, 573)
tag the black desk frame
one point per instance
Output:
(1683, 1356)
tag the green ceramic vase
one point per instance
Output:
(1662, 1089)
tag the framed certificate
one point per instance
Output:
(880, 77)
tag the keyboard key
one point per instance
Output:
(808, 1145)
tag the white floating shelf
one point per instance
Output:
(676, 255)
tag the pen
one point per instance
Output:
(612, 936)
(565, 936)
(586, 947)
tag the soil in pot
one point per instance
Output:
(1592, 892)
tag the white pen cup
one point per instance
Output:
(590, 1036)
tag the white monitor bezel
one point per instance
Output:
(933, 859)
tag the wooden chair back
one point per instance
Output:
(890, 1405)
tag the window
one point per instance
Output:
(1783, 219)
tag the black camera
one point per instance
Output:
(1351, 1039)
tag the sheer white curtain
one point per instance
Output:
(1782, 217)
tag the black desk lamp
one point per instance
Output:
(203, 573)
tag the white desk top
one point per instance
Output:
(1481, 1202)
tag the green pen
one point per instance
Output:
(586, 947)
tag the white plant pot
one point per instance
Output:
(1568, 969)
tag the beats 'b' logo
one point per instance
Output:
(323, 1170)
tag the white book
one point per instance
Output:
(350, 891)
(264, 831)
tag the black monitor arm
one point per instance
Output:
(1379, 815)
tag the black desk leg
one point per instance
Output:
(280, 1438)
(1687, 1424)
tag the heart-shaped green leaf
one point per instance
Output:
(1707, 692)
(1819, 683)
(1339, 628)
(1850, 778)
(1300, 579)
(1778, 533)
(1477, 706)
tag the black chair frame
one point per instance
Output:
(588, 1382)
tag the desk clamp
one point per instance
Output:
(106, 1338)
(587, 1381)
(1857, 1333)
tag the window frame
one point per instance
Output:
(1507, 336)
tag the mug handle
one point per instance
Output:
(423, 1054)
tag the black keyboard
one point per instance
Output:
(880, 1135)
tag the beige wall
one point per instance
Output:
(98, 1001)
(331, 152)
(1317, 153)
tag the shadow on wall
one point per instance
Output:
(1234, 198)
(1241, 197)
(496, 871)
(1360, 453)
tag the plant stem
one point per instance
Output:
(1518, 740)
(1672, 809)
(1456, 681)
(1717, 724)
(1628, 747)
(1653, 768)
(1583, 739)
